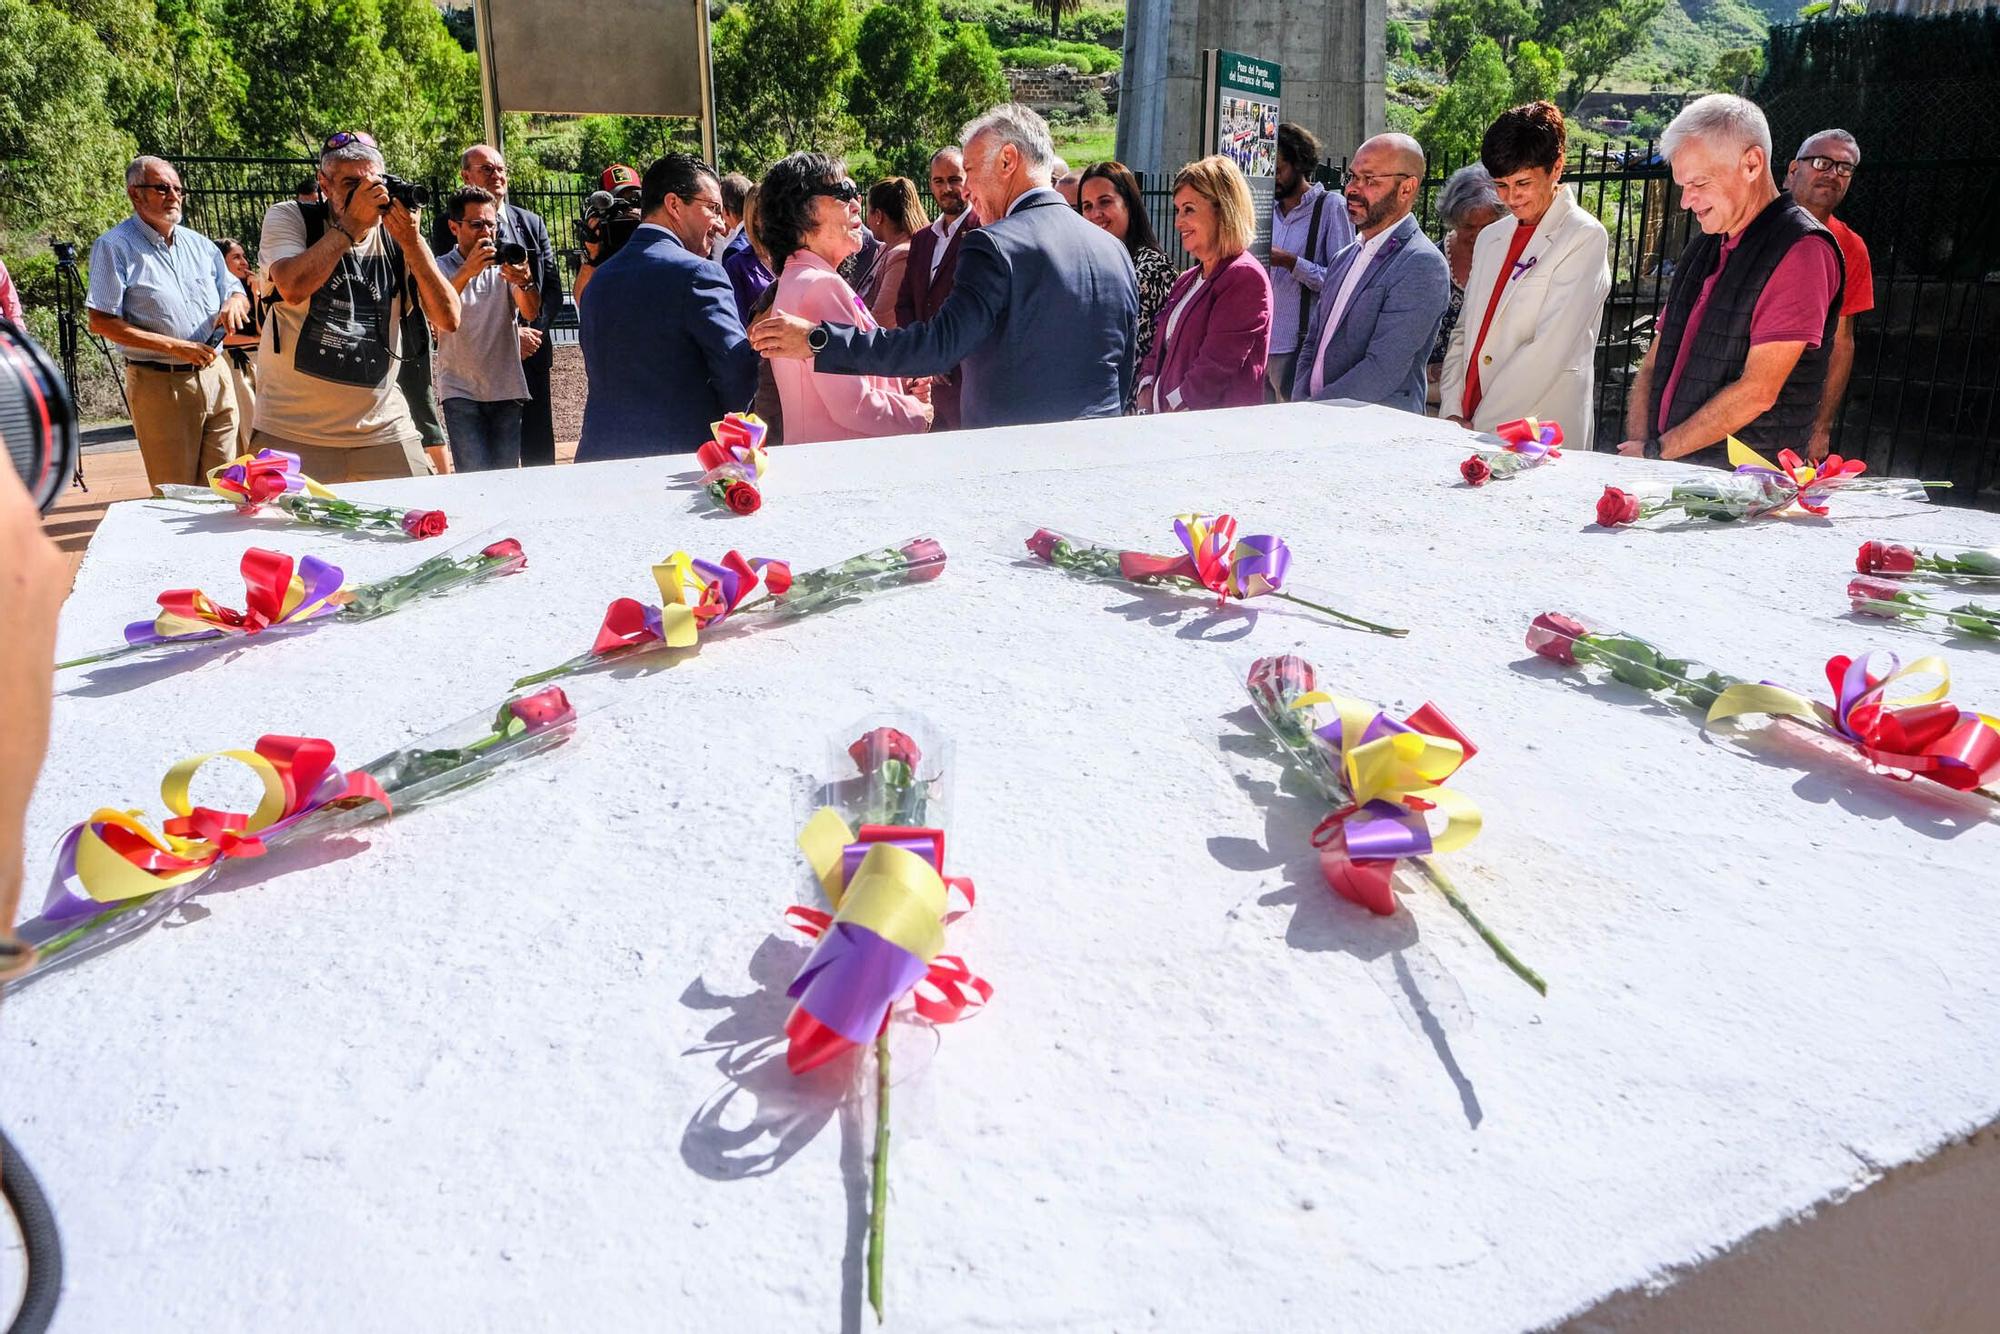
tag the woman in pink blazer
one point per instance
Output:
(1213, 335)
(809, 218)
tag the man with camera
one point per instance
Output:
(481, 378)
(610, 216)
(162, 292)
(483, 166)
(344, 272)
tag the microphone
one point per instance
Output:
(600, 201)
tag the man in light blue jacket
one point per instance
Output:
(1384, 295)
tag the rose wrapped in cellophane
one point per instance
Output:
(281, 595)
(696, 596)
(271, 478)
(1757, 488)
(1527, 443)
(1916, 736)
(116, 875)
(876, 846)
(733, 462)
(1893, 560)
(1214, 560)
(1872, 596)
(1384, 779)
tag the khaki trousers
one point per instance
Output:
(185, 420)
(243, 379)
(360, 463)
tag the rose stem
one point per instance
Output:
(1341, 615)
(879, 1202)
(1451, 894)
(105, 656)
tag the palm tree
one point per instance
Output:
(1057, 10)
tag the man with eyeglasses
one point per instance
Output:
(932, 266)
(1818, 180)
(163, 293)
(662, 344)
(1383, 295)
(345, 271)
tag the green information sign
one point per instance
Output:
(1242, 110)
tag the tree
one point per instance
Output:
(1479, 92)
(61, 156)
(1593, 36)
(1058, 10)
(781, 74)
(1397, 42)
(1537, 72)
(1736, 71)
(1457, 24)
(895, 83)
(970, 82)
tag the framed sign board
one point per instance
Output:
(1240, 112)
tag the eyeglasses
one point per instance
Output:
(1832, 164)
(346, 137)
(845, 191)
(1371, 179)
(165, 192)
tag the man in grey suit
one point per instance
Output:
(1385, 293)
(1043, 312)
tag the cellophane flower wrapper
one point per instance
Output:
(1502, 464)
(452, 758)
(1872, 595)
(1894, 560)
(472, 561)
(1626, 658)
(322, 512)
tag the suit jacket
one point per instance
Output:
(663, 349)
(1540, 355)
(920, 296)
(1041, 320)
(818, 405)
(1215, 357)
(1378, 352)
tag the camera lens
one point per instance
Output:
(513, 252)
(37, 417)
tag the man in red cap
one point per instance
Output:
(621, 183)
(619, 179)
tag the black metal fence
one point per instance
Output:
(1924, 396)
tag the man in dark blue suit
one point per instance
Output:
(665, 352)
(1043, 311)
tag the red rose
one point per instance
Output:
(742, 498)
(1615, 507)
(1885, 558)
(543, 709)
(424, 523)
(1867, 593)
(1043, 544)
(509, 550)
(1475, 471)
(1283, 677)
(878, 747)
(926, 560)
(1554, 635)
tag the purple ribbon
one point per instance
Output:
(294, 479)
(321, 580)
(1383, 831)
(851, 856)
(852, 978)
(1261, 556)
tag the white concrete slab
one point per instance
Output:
(494, 1066)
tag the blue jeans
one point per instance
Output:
(484, 436)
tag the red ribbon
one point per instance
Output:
(267, 577)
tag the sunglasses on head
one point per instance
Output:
(845, 191)
(346, 137)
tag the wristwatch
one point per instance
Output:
(817, 338)
(1652, 447)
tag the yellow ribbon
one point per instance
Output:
(1400, 766)
(680, 594)
(895, 893)
(209, 616)
(312, 488)
(1751, 697)
(110, 878)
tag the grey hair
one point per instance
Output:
(1838, 136)
(353, 151)
(1466, 189)
(135, 170)
(1018, 125)
(1721, 119)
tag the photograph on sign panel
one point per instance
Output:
(1248, 133)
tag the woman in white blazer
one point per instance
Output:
(1525, 344)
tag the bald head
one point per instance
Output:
(1382, 182)
(1405, 153)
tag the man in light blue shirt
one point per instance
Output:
(165, 296)
(1309, 226)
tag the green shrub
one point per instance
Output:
(1029, 57)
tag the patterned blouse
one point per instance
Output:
(1156, 280)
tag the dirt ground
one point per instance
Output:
(567, 389)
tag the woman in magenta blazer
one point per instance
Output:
(809, 218)
(1213, 335)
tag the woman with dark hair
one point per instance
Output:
(1109, 196)
(895, 214)
(809, 219)
(1525, 344)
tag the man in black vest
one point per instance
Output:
(1742, 346)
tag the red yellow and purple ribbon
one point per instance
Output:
(1216, 559)
(114, 857)
(1922, 734)
(274, 593)
(694, 595)
(1394, 772)
(1813, 483)
(252, 479)
(882, 940)
(738, 439)
(1531, 436)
